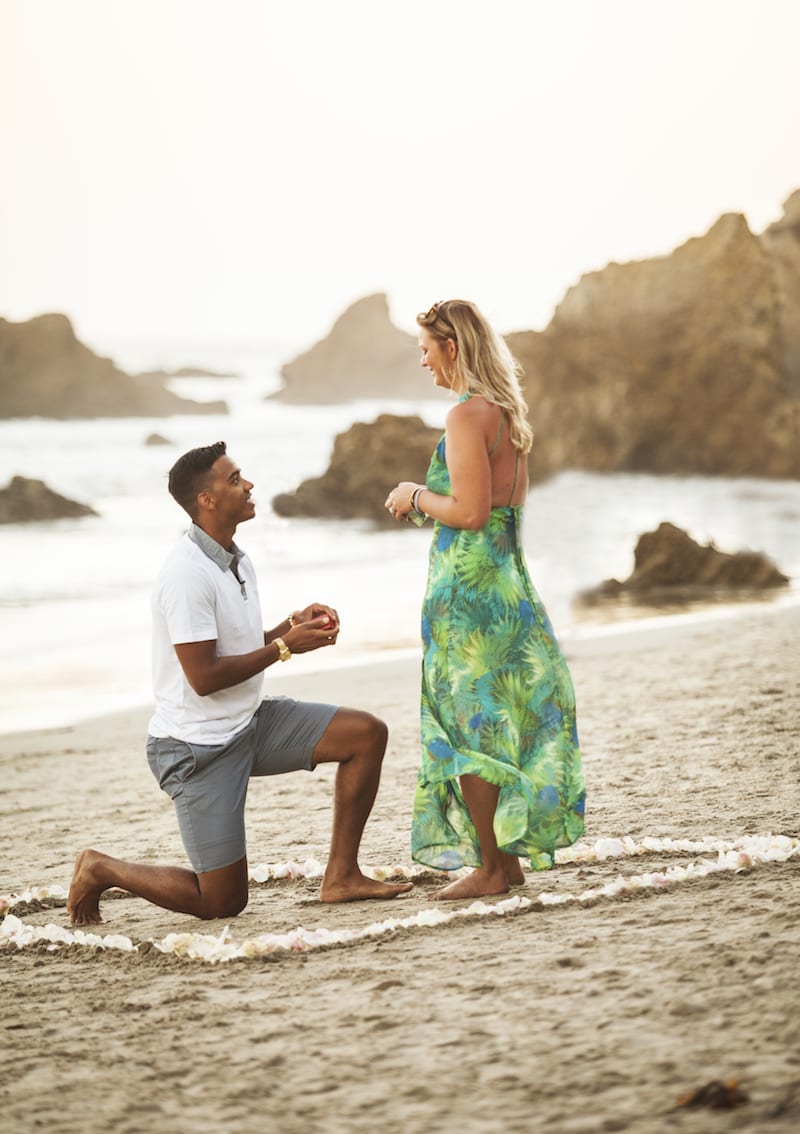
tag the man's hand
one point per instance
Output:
(316, 611)
(315, 627)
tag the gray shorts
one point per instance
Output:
(208, 782)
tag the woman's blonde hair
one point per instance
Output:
(484, 365)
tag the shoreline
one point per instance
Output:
(606, 621)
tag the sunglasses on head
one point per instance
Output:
(433, 313)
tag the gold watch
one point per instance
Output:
(284, 653)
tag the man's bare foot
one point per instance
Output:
(479, 884)
(357, 887)
(515, 875)
(83, 902)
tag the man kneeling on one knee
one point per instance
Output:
(211, 731)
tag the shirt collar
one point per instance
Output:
(215, 551)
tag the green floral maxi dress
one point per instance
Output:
(497, 699)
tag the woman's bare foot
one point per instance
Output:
(515, 875)
(357, 887)
(480, 883)
(83, 901)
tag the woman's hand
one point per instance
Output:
(398, 502)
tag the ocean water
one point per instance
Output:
(74, 594)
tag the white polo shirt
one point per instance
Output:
(197, 598)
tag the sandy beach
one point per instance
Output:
(572, 1017)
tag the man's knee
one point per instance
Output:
(374, 734)
(223, 905)
(224, 892)
(366, 734)
(353, 733)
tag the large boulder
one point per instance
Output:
(45, 371)
(364, 356)
(668, 560)
(669, 365)
(367, 461)
(26, 501)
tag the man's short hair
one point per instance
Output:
(190, 474)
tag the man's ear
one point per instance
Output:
(206, 500)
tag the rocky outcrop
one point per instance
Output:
(670, 365)
(367, 461)
(364, 356)
(668, 561)
(782, 243)
(26, 501)
(45, 371)
(686, 363)
(187, 372)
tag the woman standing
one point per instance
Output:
(501, 773)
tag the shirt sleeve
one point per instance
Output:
(187, 603)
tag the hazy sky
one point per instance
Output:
(217, 169)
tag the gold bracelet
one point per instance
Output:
(284, 653)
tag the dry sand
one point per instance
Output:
(563, 1019)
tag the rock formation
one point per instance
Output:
(187, 372)
(364, 356)
(46, 372)
(686, 363)
(782, 243)
(670, 365)
(367, 461)
(26, 501)
(668, 561)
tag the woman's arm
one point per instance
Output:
(467, 453)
